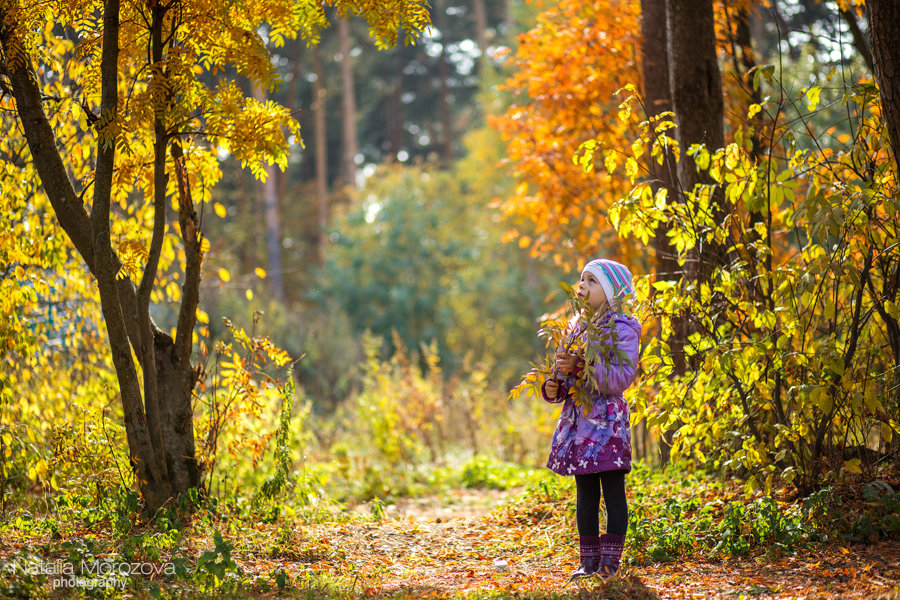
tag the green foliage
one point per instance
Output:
(677, 515)
(483, 472)
(417, 256)
(216, 565)
(761, 523)
(881, 518)
(866, 519)
(283, 461)
(21, 576)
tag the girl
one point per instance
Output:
(593, 438)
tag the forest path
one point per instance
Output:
(464, 542)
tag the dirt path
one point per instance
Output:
(452, 545)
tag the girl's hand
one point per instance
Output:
(551, 387)
(565, 363)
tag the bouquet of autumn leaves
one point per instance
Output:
(575, 330)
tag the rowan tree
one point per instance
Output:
(121, 108)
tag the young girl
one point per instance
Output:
(596, 447)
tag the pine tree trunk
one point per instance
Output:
(272, 219)
(446, 138)
(883, 17)
(351, 145)
(395, 113)
(321, 149)
(480, 32)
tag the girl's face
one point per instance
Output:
(589, 287)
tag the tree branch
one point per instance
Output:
(859, 39)
(190, 233)
(148, 279)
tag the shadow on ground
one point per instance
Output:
(619, 588)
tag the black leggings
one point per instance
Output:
(587, 502)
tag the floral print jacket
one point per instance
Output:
(601, 439)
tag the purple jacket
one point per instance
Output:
(601, 440)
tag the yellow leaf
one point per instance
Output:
(754, 109)
(204, 245)
(220, 210)
(631, 168)
(202, 316)
(224, 275)
(173, 291)
(812, 95)
(524, 241)
(249, 294)
(260, 272)
(732, 155)
(610, 163)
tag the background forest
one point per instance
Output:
(308, 252)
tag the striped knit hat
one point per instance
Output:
(614, 278)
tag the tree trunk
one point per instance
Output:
(658, 99)
(175, 384)
(321, 149)
(292, 103)
(446, 138)
(351, 145)
(272, 219)
(395, 113)
(696, 85)
(744, 68)
(480, 32)
(859, 38)
(883, 17)
(509, 21)
(175, 365)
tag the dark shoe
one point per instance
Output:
(611, 547)
(589, 548)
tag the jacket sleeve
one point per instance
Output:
(561, 393)
(614, 374)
